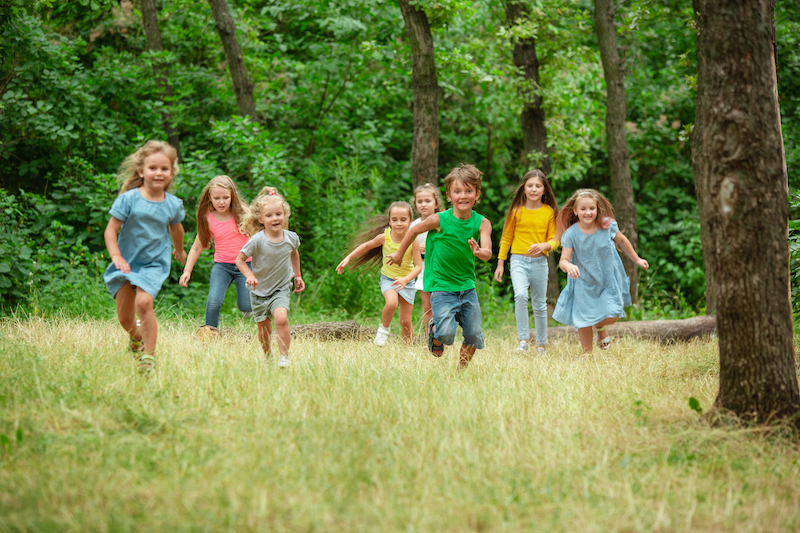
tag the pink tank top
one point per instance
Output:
(228, 242)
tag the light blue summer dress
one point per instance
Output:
(144, 240)
(603, 289)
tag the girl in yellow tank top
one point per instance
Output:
(396, 280)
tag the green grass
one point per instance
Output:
(357, 438)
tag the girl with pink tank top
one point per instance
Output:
(219, 213)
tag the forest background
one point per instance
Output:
(332, 83)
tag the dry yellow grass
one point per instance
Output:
(355, 437)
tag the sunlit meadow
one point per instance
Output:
(359, 438)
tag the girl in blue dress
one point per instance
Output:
(144, 218)
(598, 289)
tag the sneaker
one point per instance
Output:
(382, 335)
(247, 314)
(523, 345)
(540, 350)
(283, 362)
(268, 357)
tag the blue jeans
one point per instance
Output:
(530, 273)
(457, 308)
(222, 275)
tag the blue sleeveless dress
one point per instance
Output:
(603, 289)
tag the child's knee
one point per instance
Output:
(281, 318)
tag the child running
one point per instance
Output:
(427, 201)
(396, 280)
(529, 233)
(450, 253)
(597, 287)
(219, 215)
(144, 218)
(275, 263)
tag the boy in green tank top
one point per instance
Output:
(450, 251)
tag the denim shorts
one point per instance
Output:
(406, 292)
(457, 308)
(264, 306)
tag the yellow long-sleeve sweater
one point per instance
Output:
(526, 227)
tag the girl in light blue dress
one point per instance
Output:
(598, 289)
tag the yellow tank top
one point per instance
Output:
(390, 247)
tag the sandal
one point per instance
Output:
(147, 364)
(436, 349)
(605, 343)
(137, 346)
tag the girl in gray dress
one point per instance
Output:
(597, 288)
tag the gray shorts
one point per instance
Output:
(406, 292)
(265, 306)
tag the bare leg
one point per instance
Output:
(585, 335)
(147, 317)
(427, 311)
(264, 332)
(405, 319)
(126, 311)
(391, 298)
(601, 326)
(465, 356)
(281, 316)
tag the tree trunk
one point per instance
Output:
(742, 188)
(618, 158)
(153, 36)
(242, 86)
(534, 132)
(425, 149)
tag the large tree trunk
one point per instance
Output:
(534, 132)
(425, 149)
(742, 186)
(153, 36)
(618, 158)
(242, 86)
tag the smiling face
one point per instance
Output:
(534, 190)
(586, 211)
(156, 172)
(272, 217)
(462, 195)
(220, 199)
(425, 203)
(399, 219)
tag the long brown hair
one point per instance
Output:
(268, 195)
(128, 174)
(518, 200)
(566, 217)
(237, 207)
(369, 229)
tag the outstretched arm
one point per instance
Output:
(626, 246)
(361, 249)
(299, 284)
(191, 260)
(484, 251)
(430, 223)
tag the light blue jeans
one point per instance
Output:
(222, 275)
(530, 274)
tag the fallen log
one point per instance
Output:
(348, 330)
(662, 330)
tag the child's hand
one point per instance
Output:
(184, 281)
(498, 274)
(299, 284)
(340, 266)
(399, 283)
(251, 282)
(643, 263)
(476, 248)
(392, 259)
(538, 249)
(573, 271)
(121, 264)
(180, 255)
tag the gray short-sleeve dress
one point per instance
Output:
(144, 240)
(603, 289)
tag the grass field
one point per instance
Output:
(357, 438)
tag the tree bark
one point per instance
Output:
(153, 36)
(742, 188)
(242, 86)
(662, 330)
(534, 132)
(618, 157)
(424, 81)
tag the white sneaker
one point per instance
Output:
(382, 335)
(283, 362)
(247, 314)
(523, 345)
(540, 350)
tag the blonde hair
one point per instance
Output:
(128, 175)
(267, 196)
(567, 217)
(467, 174)
(204, 207)
(374, 226)
(434, 190)
(518, 200)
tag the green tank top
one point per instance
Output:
(449, 261)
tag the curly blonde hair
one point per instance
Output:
(128, 174)
(238, 208)
(268, 195)
(567, 217)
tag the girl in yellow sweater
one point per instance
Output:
(530, 234)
